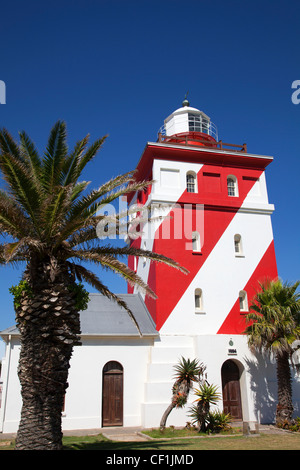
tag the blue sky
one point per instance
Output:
(120, 67)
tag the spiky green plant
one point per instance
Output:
(217, 421)
(207, 395)
(50, 219)
(273, 327)
(187, 371)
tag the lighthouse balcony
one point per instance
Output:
(198, 139)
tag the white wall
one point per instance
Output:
(148, 380)
(11, 393)
(83, 398)
(222, 276)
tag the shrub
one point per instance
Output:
(217, 421)
(295, 427)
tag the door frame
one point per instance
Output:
(113, 369)
(239, 388)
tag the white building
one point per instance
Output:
(220, 230)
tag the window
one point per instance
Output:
(198, 300)
(198, 123)
(144, 259)
(243, 301)
(195, 241)
(238, 245)
(232, 188)
(191, 182)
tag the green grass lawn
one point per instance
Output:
(171, 432)
(286, 441)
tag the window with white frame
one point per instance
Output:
(198, 300)
(191, 183)
(243, 300)
(232, 188)
(196, 241)
(238, 249)
(198, 123)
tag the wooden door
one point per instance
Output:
(112, 394)
(231, 390)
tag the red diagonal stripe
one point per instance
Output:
(266, 269)
(168, 283)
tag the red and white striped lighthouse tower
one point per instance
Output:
(215, 220)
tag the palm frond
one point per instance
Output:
(189, 370)
(54, 209)
(88, 201)
(132, 251)
(13, 221)
(16, 251)
(113, 264)
(8, 145)
(207, 393)
(49, 214)
(54, 157)
(30, 155)
(83, 210)
(275, 317)
(90, 154)
(21, 184)
(88, 276)
(69, 169)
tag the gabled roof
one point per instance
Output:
(104, 317)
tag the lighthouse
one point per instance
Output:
(212, 215)
(206, 206)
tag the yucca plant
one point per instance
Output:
(273, 327)
(186, 372)
(49, 219)
(207, 395)
(217, 421)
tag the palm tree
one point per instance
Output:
(207, 395)
(49, 221)
(187, 372)
(274, 325)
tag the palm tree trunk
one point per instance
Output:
(179, 388)
(49, 327)
(203, 409)
(164, 418)
(284, 409)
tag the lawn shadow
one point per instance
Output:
(128, 445)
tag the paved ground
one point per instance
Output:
(131, 433)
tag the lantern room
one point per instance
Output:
(188, 122)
